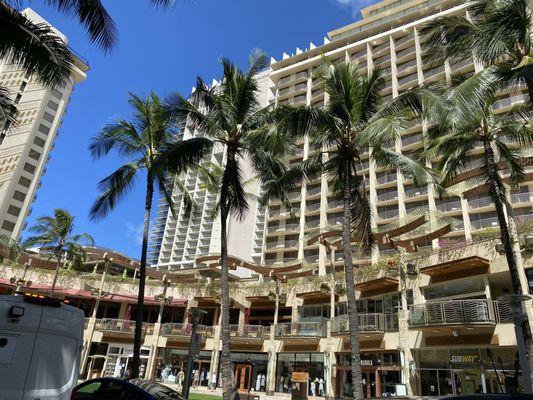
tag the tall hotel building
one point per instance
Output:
(25, 146)
(179, 238)
(443, 326)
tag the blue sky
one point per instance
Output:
(161, 51)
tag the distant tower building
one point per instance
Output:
(25, 146)
(178, 240)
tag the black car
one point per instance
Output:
(118, 389)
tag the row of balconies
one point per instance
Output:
(444, 313)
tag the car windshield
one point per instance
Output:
(158, 391)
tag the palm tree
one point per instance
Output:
(495, 32)
(55, 235)
(465, 122)
(151, 145)
(236, 121)
(353, 120)
(38, 49)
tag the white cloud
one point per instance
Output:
(135, 232)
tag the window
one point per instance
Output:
(35, 155)
(29, 168)
(52, 105)
(19, 196)
(8, 226)
(56, 93)
(13, 210)
(44, 129)
(38, 141)
(23, 181)
(48, 117)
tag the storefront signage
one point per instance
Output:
(465, 359)
(367, 362)
(300, 377)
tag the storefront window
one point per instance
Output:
(171, 365)
(250, 371)
(310, 363)
(467, 371)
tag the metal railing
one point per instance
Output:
(459, 312)
(185, 329)
(300, 329)
(416, 191)
(249, 331)
(116, 325)
(366, 322)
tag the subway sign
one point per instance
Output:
(465, 359)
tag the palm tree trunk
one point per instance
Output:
(136, 361)
(228, 387)
(520, 316)
(56, 274)
(355, 357)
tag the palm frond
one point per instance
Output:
(94, 17)
(35, 47)
(112, 189)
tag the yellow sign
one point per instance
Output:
(300, 377)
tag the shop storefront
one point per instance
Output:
(466, 371)
(250, 371)
(311, 363)
(380, 374)
(170, 362)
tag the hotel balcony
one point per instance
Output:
(184, 330)
(459, 312)
(300, 330)
(249, 331)
(118, 327)
(367, 323)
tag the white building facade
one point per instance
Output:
(25, 146)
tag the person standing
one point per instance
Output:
(181, 377)
(195, 379)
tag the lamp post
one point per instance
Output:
(194, 350)
(98, 293)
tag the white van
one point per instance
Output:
(40, 346)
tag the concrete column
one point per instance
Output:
(331, 383)
(466, 219)
(271, 370)
(152, 362)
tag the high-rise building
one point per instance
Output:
(388, 37)
(179, 238)
(25, 146)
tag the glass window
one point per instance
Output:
(461, 288)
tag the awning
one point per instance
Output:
(473, 265)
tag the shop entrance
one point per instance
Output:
(243, 377)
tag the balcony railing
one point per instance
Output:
(249, 331)
(449, 206)
(367, 322)
(117, 325)
(312, 206)
(185, 329)
(386, 178)
(416, 191)
(485, 223)
(301, 329)
(459, 312)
